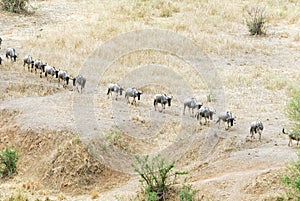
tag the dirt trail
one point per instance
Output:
(37, 115)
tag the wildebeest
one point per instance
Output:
(63, 75)
(205, 113)
(227, 118)
(133, 92)
(292, 136)
(29, 61)
(39, 65)
(256, 127)
(163, 99)
(11, 52)
(191, 103)
(114, 88)
(50, 70)
(79, 81)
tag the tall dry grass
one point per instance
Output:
(217, 27)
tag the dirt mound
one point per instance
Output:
(55, 159)
(72, 169)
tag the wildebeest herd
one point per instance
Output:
(202, 112)
(206, 113)
(50, 72)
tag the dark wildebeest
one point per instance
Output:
(292, 136)
(227, 118)
(191, 103)
(29, 61)
(50, 70)
(63, 75)
(79, 81)
(205, 113)
(11, 52)
(39, 65)
(163, 99)
(256, 127)
(133, 92)
(114, 88)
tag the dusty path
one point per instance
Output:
(223, 165)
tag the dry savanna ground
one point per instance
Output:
(60, 160)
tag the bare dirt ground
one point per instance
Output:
(59, 162)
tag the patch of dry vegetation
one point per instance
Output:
(66, 33)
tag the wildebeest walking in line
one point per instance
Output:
(205, 113)
(63, 75)
(163, 99)
(227, 118)
(256, 127)
(50, 70)
(292, 136)
(39, 65)
(29, 61)
(191, 103)
(114, 88)
(133, 92)
(79, 81)
(11, 53)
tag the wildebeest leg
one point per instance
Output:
(227, 125)
(252, 134)
(259, 132)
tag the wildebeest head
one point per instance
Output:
(121, 91)
(15, 57)
(169, 100)
(139, 93)
(230, 121)
(67, 79)
(32, 63)
(43, 67)
(199, 105)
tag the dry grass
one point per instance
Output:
(261, 68)
(217, 27)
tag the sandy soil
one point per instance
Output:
(61, 161)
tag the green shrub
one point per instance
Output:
(294, 110)
(292, 176)
(292, 179)
(186, 193)
(156, 174)
(15, 6)
(8, 159)
(256, 20)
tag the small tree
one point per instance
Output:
(8, 159)
(15, 6)
(157, 174)
(256, 20)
